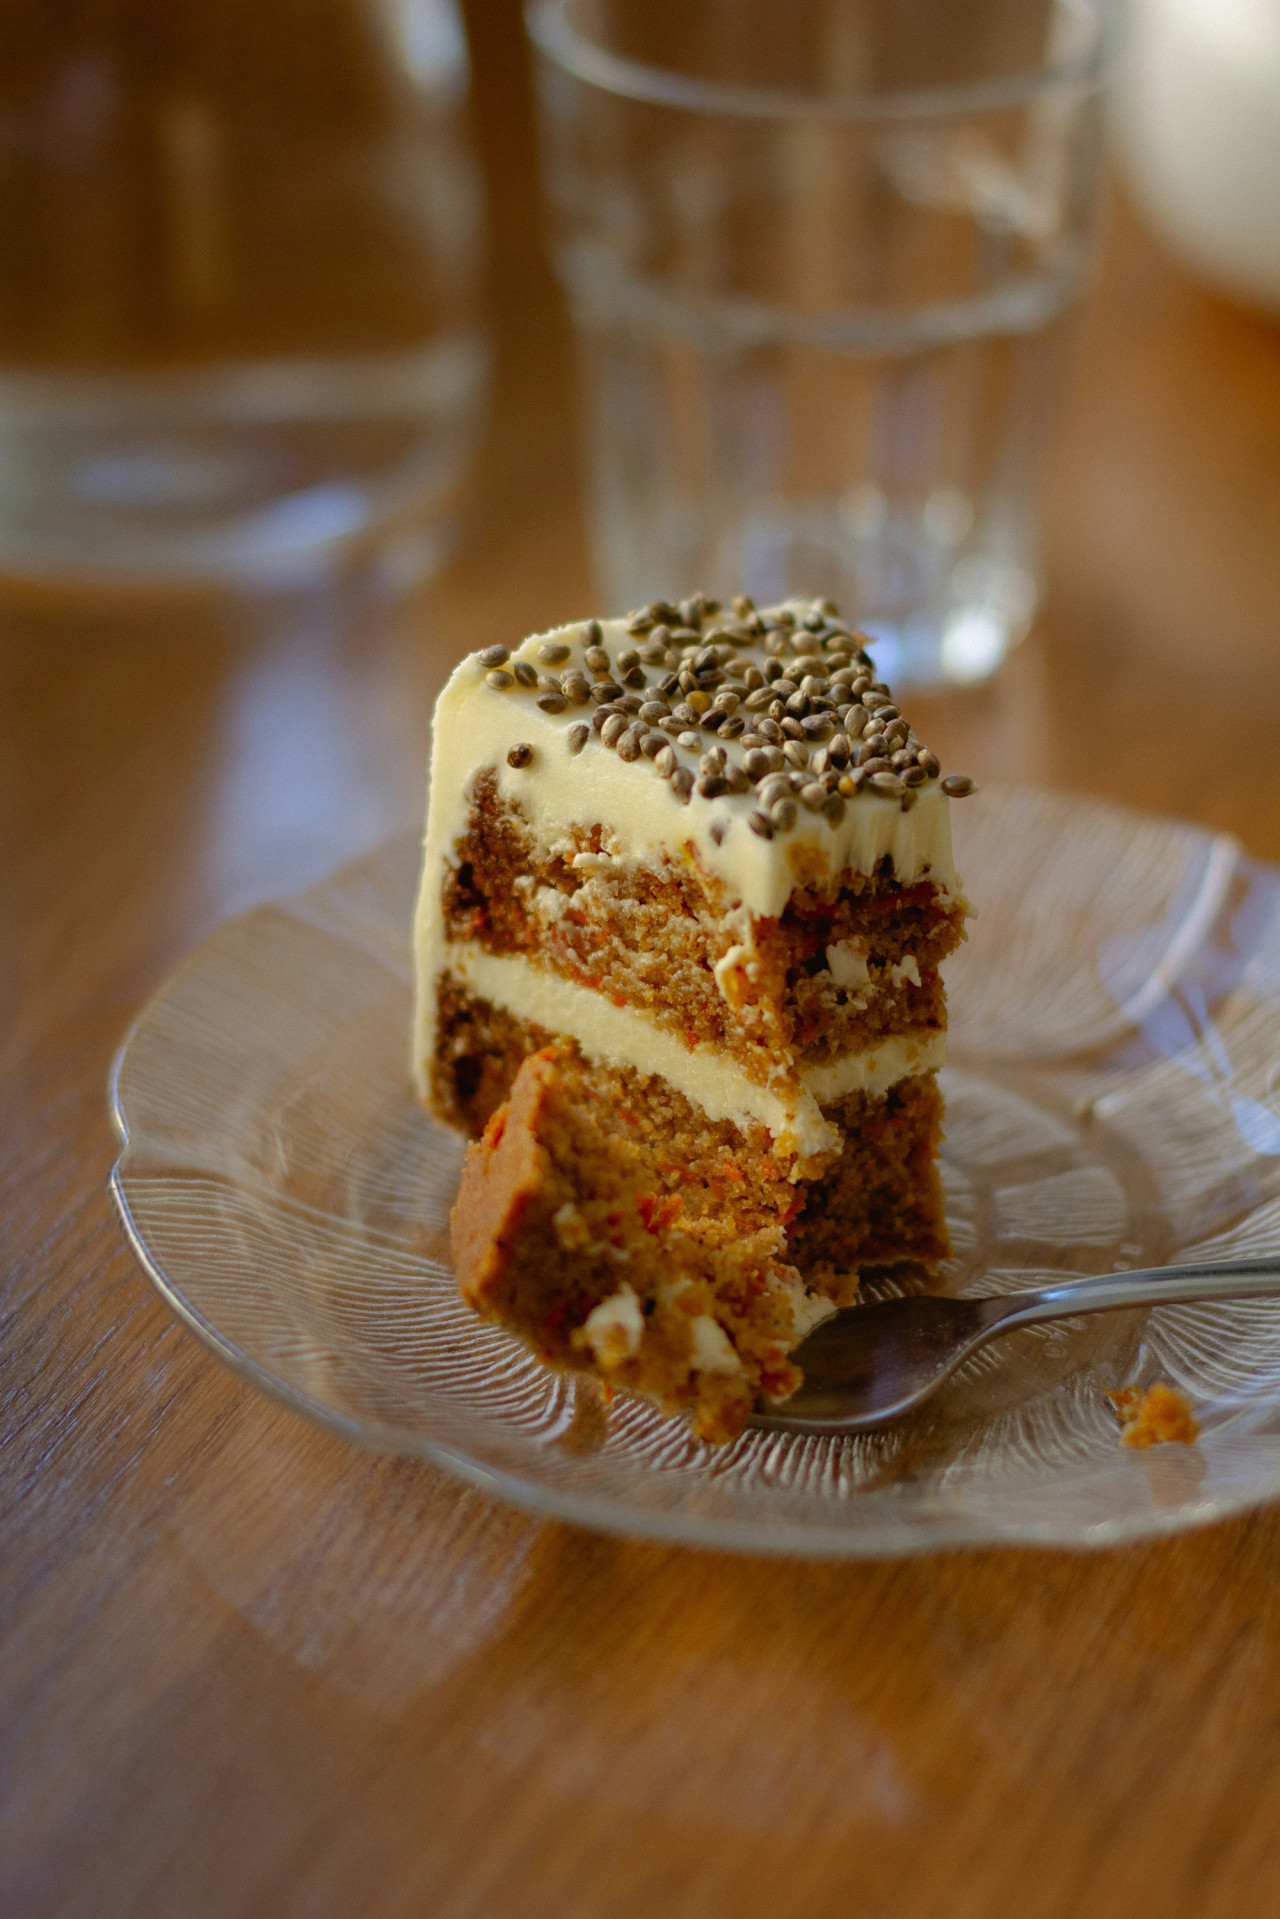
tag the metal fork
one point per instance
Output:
(873, 1363)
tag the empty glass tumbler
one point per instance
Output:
(239, 303)
(818, 254)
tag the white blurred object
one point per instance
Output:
(1198, 108)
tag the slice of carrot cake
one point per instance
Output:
(702, 856)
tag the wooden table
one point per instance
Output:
(248, 1670)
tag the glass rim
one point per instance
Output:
(549, 28)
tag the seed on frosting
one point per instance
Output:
(757, 762)
(634, 676)
(689, 739)
(601, 714)
(552, 702)
(913, 776)
(796, 754)
(838, 749)
(597, 659)
(553, 652)
(732, 726)
(886, 782)
(775, 786)
(957, 785)
(665, 760)
(739, 779)
(875, 764)
(494, 656)
(524, 672)
(654, 710)
(681, 784)
(834, 808)
(783, 815)
(792, 728)
(628, 658)
(718, 831)
(712, 785)
(629, 744)
(814, 796)
(761, 823)
(578, 737)
(606, 690)
(546, 682)
(499, 679)
(614, 728)
(520, 754)
(576, 687)
(930, 762)
(593, 632)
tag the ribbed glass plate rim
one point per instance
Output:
(607, 1513)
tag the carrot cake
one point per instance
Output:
(687, 887)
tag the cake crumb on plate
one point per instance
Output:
(1153, 1416)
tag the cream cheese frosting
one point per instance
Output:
(790, 1106)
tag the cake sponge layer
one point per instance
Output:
(561, 1232)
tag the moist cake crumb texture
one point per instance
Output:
(686, 892)
(1154, 1417)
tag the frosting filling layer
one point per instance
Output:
(618, 1036)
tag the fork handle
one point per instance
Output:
(1150, 1286)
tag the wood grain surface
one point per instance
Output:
(248, 1672)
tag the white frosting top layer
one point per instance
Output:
(476, 726)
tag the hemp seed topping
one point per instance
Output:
(793, 687)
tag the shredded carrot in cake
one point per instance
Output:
(1151, 1418)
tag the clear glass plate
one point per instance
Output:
(1113, 1100)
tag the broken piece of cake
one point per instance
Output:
(687, 888)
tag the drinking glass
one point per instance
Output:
(239, 308)
(818, 254)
